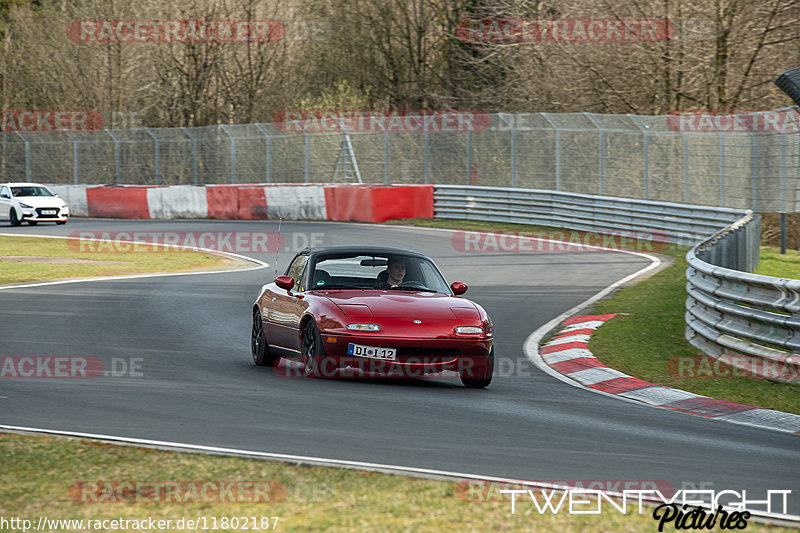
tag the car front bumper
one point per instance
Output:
(415, 357)
(45, 214)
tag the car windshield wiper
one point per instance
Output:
(423, 289)
(335, 286)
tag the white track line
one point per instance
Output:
(259, 264)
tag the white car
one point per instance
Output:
(31, 203)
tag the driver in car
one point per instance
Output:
(393, 275)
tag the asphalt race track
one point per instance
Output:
(199, 384)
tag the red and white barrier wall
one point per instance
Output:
(363, 203)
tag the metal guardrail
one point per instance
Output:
(749, 321)
(668, 222)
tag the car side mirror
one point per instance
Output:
(285, 282)
(458, 287)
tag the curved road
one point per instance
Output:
(199, 385)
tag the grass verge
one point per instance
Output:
(25, 259)
(41, 477)
(649, 343)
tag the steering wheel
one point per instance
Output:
(412, 285)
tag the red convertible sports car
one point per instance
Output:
(345, 311)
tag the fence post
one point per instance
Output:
(157, 155)
(117, 155)
(306, 156)
(685, 166)
(558, 149)
(27, 156)
(514, 155)
(601, 154)
(722, 198)
(754, 171)
(74, 157)
(427, 155)
(267, 153)
(469, 157)
(194, 154)
(386, 178)
(233, 152)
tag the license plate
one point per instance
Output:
(372, 352)
(49, 211)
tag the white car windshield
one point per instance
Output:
(31, 190)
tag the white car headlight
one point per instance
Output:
(25, 206)
(360, 326)
(469, 330)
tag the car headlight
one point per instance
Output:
(360, 326)
(469, 330)
(25, 206)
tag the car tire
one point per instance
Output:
(15, 221)
(61, 222)
(262, 355)
(472, 382)
(313, 351)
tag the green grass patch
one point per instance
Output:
(25, 259)
(773, 263)
(41, 476)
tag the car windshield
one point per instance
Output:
(371, 271)
(31, 190)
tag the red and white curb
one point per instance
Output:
(568, 354)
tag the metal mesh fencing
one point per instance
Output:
(645, 157)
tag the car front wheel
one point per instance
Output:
(259, 346)
(15, 221)
(313, 352)
(479, 378)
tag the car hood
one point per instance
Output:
(403, 304)
(41, 201)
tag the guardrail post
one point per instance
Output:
(194, 154)
(157, 156)
(117, 156)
